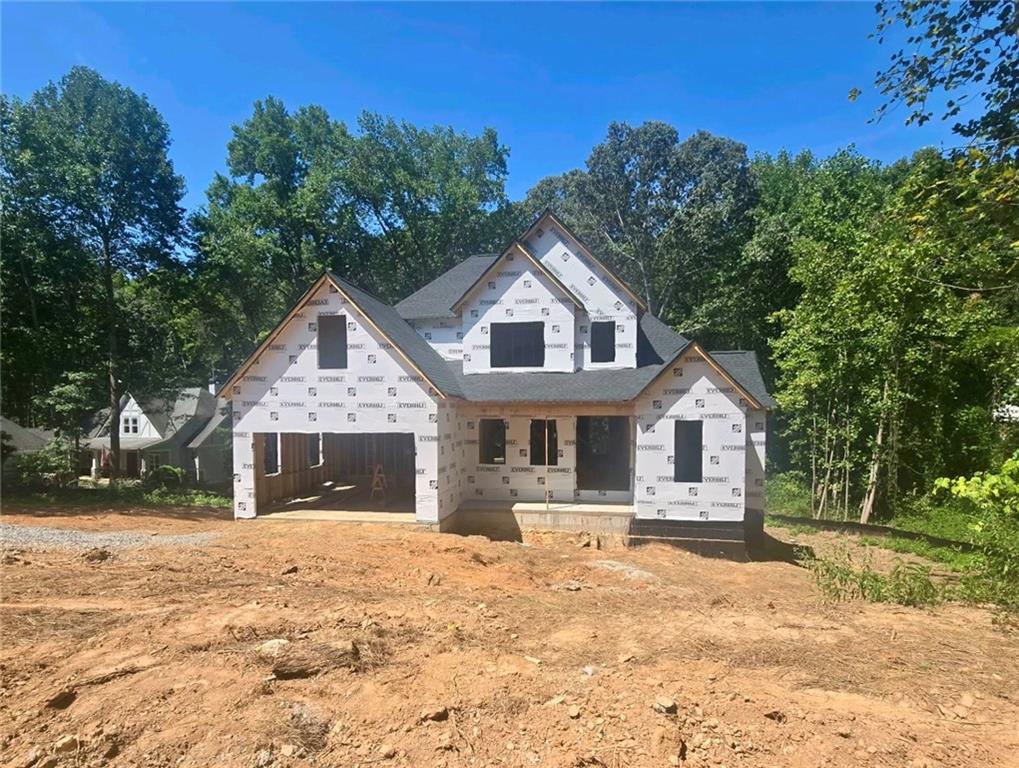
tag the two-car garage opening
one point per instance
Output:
(334, 471)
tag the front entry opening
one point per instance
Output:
(603, 453)
(335, 471)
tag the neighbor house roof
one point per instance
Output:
(23, 439)
(168, 416)
(436, 299)
(221, 415)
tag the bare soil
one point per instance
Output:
(472, 653)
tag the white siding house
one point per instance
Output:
(533, 379)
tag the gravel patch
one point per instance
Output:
(39, 537)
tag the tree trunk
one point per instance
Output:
(111, 349)
(867, 508)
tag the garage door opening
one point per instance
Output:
(365, 472)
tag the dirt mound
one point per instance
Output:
(389, 645)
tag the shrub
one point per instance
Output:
(788, 494)
(996, 529)
(839, 578)
(52, 466)
(165, 476)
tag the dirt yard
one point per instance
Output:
(409, 648)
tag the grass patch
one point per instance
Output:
(952, 557)
(840, 578)
(124, 495)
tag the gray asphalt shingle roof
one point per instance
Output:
(435, 299)
(742, 365)
(412, 344)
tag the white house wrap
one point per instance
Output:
(533, 375)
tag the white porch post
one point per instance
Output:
(94, 471)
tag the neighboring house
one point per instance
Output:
(18, 439)
(159, 431)
(532, 382)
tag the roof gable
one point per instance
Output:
(384, 319)
(547, 217)
(517, 249)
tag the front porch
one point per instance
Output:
(505, 520)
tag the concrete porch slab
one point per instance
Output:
(341, 516)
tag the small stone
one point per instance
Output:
(967, 700)
(434, 714)
(673, 759)
(66, 743)
(263, 758)
(432, 579)
(665, 705)
(845, 733)
(272, 649)
(588, 671)
(97, 555)
(30, 758)
(288, 750)
(625, 657)
(775, 715)
(532, 659)
(289, 570)
(388, 751)
(573, 712)
(112, 750)
(63, 699)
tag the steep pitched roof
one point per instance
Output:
(435, 299)
(168, 416)
(742, 365)
(23, 439)
(405, 340)
(418, 351)
(518, 248)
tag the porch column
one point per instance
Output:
(244, 475)
(94, 471)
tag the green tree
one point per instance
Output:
(90, 159)
(671, 216)
(967, 52)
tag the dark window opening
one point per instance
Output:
(603, 453)
(271, 454)
(332, 341)
(603, 342)
(544, 453)
(314, 450)
(688, 460)
(492, 441)
(518, 345)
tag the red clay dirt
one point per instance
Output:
(476, 653)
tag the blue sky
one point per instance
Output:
(549, 78)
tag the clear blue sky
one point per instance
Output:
(549, 78)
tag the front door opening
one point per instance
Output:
(603, 453)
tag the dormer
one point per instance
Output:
(518, 317)
(606, 332)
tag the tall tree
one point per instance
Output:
(91, 157)
(966, 52)
(671, 216)
(428, 197)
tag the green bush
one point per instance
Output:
(839, 578)
(787, 494)
(52, 466)
(165, 476)
(996, 529)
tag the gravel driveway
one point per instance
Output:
(39, 537)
